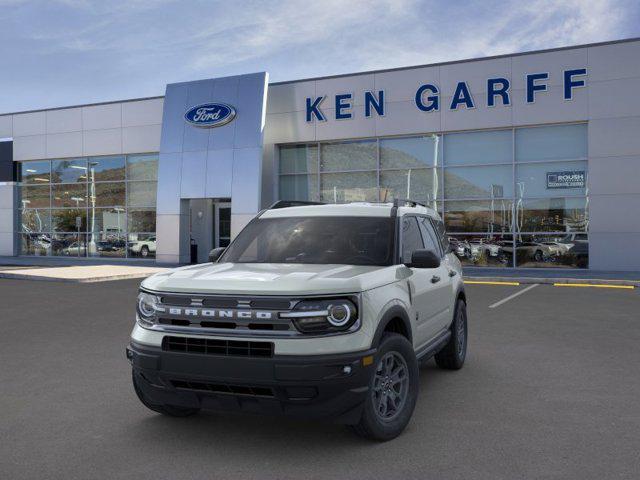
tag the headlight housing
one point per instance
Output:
(147, 306)
(323, 316)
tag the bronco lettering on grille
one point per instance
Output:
(217, 313)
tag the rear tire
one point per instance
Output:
(169, 410)
(144, 251)
(452, 356)
(393, 390)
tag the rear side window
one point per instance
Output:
(411, 238)
(442, 235)
(429, 236)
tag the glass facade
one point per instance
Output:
(511, 197)
(95, 206)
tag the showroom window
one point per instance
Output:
(95, 206)
(511, 197)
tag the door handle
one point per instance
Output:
(435, 279)
(452, 273)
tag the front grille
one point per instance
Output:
(207, 346)
(253, 391)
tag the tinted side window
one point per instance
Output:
(442, 235)
(429, 236)
(411, 238)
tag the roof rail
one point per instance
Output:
(402, 202)
(292, 203)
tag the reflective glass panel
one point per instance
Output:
(142, 194)
(69, 245)
(551, 179)
(483, 250)
(360, 155)
(552, 251)
(108, 221)
(34, 172)
(142, 220)
(35, 220)
(142, 245)
(64, 220)
(478, 216)
(557, 142)
(349, 187)
(411, 152)
(34, 196)
(475, 148)
(417, 184)
(142, 167)
(106, 168)
(552, 215)
(69, 195)
(298, 159)
(299, 187)
(37, 244)
(478, 182)
(109, 194)
(106, 244)
(69, 171)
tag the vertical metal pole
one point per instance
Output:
(513, 196)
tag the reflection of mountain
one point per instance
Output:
(349, 156)
(459, 187)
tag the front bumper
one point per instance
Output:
(316, 386)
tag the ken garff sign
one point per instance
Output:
(210, 115)
(427, 96)
(568, 179)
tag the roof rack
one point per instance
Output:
(403, 202)
(292, 203)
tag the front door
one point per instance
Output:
(222, 234)
(427, 285)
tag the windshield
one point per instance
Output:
(321, 240)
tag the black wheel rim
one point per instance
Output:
(390, 386)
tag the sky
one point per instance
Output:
(69, 52)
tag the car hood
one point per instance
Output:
(272, 279)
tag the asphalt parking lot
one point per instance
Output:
(551, 389)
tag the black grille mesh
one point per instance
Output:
(254, 391)
(206, 346)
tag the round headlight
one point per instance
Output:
(339, 314)
(146, 306)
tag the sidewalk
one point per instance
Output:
(79, 273)
(551, 276)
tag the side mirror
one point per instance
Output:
(424, 259)
(215, 254)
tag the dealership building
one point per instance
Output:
(532, 159)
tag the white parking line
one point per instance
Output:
(511, 297)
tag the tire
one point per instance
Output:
(169, 410)
(538, 257)
(452, 356)
(144, 251)
(397, 352)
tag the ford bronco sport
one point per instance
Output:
(316, 311)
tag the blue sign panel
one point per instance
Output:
(210, 115)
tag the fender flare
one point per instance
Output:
(396, 311)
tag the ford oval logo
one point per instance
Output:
(210, 115)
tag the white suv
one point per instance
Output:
(316, 311)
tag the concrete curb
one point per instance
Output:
(18, 276)
(551, 281)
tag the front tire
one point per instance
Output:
(169, 410)
(144, 251)
(453, 355)
(393, 390)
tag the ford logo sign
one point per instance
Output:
(210, 115)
